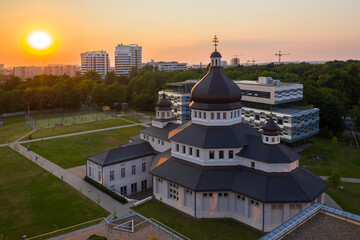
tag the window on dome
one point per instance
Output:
(238, 113)
(190, 151)
(204, 115)
(158, 114)
(183, 149)
(221, 154)
(231, 154)
(231, 115)
(197, 153)
(212, 116)
(234, 114)
(177, 147)
(162, 114)
(218, 115)
(272, 139)
(195, 114)
(168, 114)
(211, 154)
(224, 115)
(267, 139)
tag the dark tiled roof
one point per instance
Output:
(234, 136)
(163, 102)
(271, 128)
(135, 138)
(216, 88)
(215, 54)
(300, 185)
(162, 133)
(267, 153)
(124, 153)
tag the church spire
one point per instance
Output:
(215, 56)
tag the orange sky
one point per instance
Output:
(183, 30)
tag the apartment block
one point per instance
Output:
(126, 57)
(97, 61)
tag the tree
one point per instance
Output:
(86, 88)
(92, 75)
(115, 95)
(334, 180)
(98, 95)
(110, 78)
(355, 116)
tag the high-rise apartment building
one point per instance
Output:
(25, 72)
(126, 57)
(95, 60)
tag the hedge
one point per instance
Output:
(105, 190)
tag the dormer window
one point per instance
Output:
(211, 155)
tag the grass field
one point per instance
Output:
(197, 228)
(340, 156)
(46, 132)
(349, 198)
(13, 128)
(71, 151)
(32, 201)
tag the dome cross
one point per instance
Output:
(215, 42)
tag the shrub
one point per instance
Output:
(334, 179)
(96, 237)
(105, 190)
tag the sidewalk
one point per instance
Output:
(350, 180)
(85, 188)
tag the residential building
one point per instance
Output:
(2, 67)
(180, 96)
(283, 101)
(169, 66)
(216, 166)
(96, 61)
(235, 61)
(126, 57)
(25, 72)
(61, 69)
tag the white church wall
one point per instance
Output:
(158, 144)
(268, 167)
(216, 118)
(94, 171)
(130, 177)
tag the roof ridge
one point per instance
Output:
(302, 190)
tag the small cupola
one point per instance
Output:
(164, 113)
(215, 56)
(271, 132)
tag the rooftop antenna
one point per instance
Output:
(281, 54)
(215, 42)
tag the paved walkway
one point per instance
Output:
(328, 201)
(350, 180)
(85, 188)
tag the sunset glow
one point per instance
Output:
(39, 40)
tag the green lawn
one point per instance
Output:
(196, 228)
(348, 198)
(46, 132)
(33, 202)
(340, 156)
(71, 151)
(13, 128)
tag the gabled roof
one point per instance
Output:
(267, 153)
(123, 153)
(196, 135)
(162, 133)
(299, 185)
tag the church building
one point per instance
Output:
(215, 166)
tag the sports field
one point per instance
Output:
(68, 118)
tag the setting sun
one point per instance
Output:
(39, 40)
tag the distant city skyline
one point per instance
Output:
(183, 32)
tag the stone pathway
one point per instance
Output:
(350, 180)
(79, 171)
